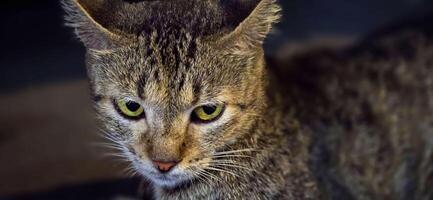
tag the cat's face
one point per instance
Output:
(178, 112)
(173, 101)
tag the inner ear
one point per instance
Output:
(236, 11)
(102, 12)
(250, 33)
(93, 22)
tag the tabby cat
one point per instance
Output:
(182, 90)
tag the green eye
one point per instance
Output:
(130, 109)
(206, 114)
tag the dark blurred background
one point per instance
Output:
(46, 120)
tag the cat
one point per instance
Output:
(368, 109)
(182, 89)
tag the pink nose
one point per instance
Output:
(164, 167)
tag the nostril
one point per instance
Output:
(164, 167)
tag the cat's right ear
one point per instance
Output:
(249, 35)
(91, 22)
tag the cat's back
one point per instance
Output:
(370, 109)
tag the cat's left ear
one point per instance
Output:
(93, 23)
(249, 36)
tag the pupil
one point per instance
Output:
(132, 106)
(209, 109)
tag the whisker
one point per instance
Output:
(111, 139)
(204, 178)
(111, 146)
(110, 136)
(227, 156)
(106, 144)
(211, 175)
(204, 174)
(129, 171)
(222, 170)
(116, 155)
(235, 166)
(234, 151)
(223, 162)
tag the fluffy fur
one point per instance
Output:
(355, 124)
(173, 56)
(369, 110)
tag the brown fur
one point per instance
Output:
(174, 56)
(361, 120)
(369, 108)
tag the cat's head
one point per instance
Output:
(175, 82)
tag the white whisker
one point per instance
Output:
(203, 178)
(222, 170)
(235, 166)
(234, 151)
(228, 156)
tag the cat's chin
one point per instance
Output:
(168, 181)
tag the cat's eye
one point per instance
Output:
(129, 109)
(207, 113)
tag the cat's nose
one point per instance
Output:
(164, 167)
